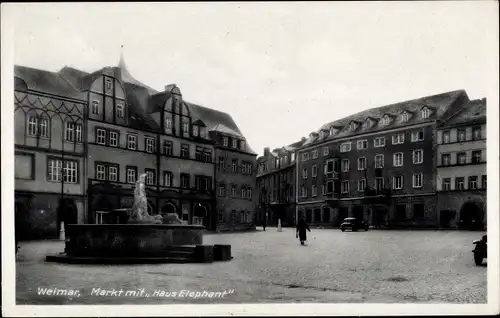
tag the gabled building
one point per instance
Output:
(276, 185)
(377, 165)
(117, 129)
(461, 168)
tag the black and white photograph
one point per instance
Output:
(250, 158)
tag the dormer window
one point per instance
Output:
(353, 126)
(195, 131)
(225, 141)
(235, 143)
(321, 134)
(386, 120)
(425, 113)
(332, 131)
(405, 117)
(202, 132)
(367, 124)
(242, 145)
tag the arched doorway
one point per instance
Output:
(167, 208)
(70, 212)
(152, 208)
(200, 214)
(471, 215)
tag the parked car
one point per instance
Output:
(353, 224)
(480, 251)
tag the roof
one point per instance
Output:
(437, 104)
(473, 112)
(46, 81)
(127, 78)
(226, 130)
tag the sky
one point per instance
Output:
(281, 70)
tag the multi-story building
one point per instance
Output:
(235, 177)
(125, 129)
(276, 185)
(461, 168)
(49, 161)
(377, 165)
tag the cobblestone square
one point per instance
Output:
(351, 267)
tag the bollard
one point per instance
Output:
(62, 234)
(279, 225)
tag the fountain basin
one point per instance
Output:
(129, 240)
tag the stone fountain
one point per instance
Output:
(144, 238)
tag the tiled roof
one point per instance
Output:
(226, 130)
(438, 104)
(127, 78)
(48, 82)
(473, 112)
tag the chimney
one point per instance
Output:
(266, 151)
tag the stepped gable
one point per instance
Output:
(437, 104)
(46, 82)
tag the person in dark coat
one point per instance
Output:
(301, 230)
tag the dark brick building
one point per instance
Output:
(276, 185)
(378, 165)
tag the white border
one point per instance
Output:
(8, 258)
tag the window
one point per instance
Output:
(476, 156)
(185, 127)
(195, 131)
(405, 117)
(362, 163)
(379, 142)
(461, 158)
(446, 137)
(100, 172)
(345, 147)
(24, 166)
(401, 211)
(361, 185)
(234, 165)
(54, 170)
(108, 84)
(293, 157)
(483, 181)
(101, 136)
(207, 156)
(418, 156)
(150, 144)
(397, 182)
(69, 170)
(221, 163)
(362, 144)
(221, 216)
(168, 179)
(314, 191)
(417, 180)
(167, 147)
(379, 161)
(367, 124)
(168, 123)
(303, 192)
(386, 120)
(113, 173)
(425, 113)
(419, 210)
(398, 159)
(131, 142)
(43, 127)
(473, 182)
(73, 132)
(233, 215)
(398, 139)
(315, 154)
(345, 165)
(225, 141)
(185, 180)
(325, 151)
(131, 174)
(113, 138)
(304, 173)
(199, 154)
(314, 171)
(446, 184)
(222, 190)
(305, 156)
(379, 184)
(446, 159)
(459, 183)
(476, 133)
(329, 186)
(150, 176)
(233, 190)
(332, 131)
(120, 110)
(242, 145)
(95, 107)
(461, 134)
(184, 151)
(345, 186)
(285, 160)
(235, 143)
(417, 135)
(33, 125)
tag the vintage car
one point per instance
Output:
(353, 224)
(480, 251)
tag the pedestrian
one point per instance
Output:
(264, 222)
(302, 226)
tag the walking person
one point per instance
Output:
(302, 226)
